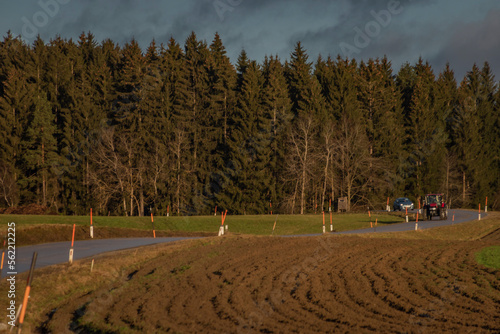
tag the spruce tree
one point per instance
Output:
(446, 101)
(246, 178)
(40, 153)
(299, 77)
(196, 63)
(380, 104)
(220, 103)
(277, 103)
(343, 81)
(468, 137)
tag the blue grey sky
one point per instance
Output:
(456, 31)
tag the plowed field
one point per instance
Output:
(306, 285)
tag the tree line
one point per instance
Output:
(181, 129)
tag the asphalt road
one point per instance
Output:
(58, 252)
(461, 216)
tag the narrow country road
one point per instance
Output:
(58, 252)
(461, 216)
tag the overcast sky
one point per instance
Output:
(456, 31)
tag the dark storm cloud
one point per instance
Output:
(329, 40)
(461, 32)
(473, 43)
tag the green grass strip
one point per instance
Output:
(489, 257)
(249, 224)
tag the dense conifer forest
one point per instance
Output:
(180, 127)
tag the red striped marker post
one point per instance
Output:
(221, 228)
(486, 205)
(274, 226)
(479, 214)
(388, 208)
(168, 210)
(324, 230)
(271, 207)
(153, 225)
(3, 253)
(71, 249)
(27, 291)
(215, 213)
(370, 216)
(91, 225)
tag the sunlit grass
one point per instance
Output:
(489, 257)
(244, 224)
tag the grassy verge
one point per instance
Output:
(251, 224)
(489, 257)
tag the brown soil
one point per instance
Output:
(39, 234)
(305, 285)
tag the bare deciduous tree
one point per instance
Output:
(8, 187)
(114, 170)
(352, 158)
(301, 139)
(178, 147)
(327, 137)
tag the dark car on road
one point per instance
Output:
(402, 203)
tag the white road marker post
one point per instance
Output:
(479, 214)
(486, 205)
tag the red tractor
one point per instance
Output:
(434, 205)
